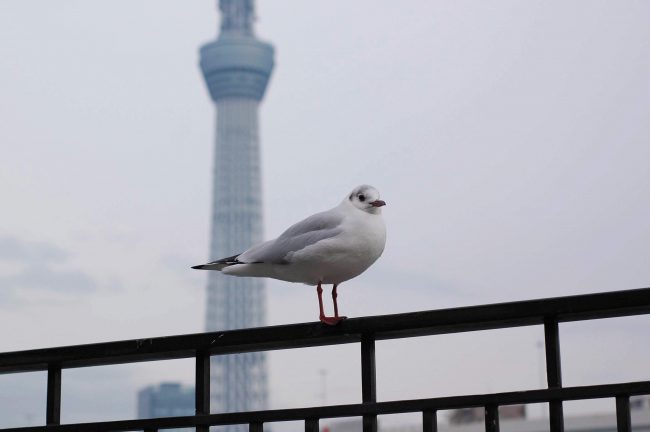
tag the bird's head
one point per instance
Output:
(366, 198)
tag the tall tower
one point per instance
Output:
(236, 68)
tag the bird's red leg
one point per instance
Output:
(325, 319)
(319, 290)
(336, 318)
(336, 306)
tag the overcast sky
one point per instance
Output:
(510, 140)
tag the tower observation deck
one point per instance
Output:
(236, 67)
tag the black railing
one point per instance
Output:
(547, 312)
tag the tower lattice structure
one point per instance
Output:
(236, 67)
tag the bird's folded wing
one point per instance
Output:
(310, 231)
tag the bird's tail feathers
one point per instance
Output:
(211, 266)
(218, 264)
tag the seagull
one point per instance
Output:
(330, 247)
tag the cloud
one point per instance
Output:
(43, 277)
(33, 270)
(13, 249)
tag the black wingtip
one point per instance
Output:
(198, 267)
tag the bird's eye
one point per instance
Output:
(362, 197)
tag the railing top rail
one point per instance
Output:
(470, 318)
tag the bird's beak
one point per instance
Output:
(378, 203)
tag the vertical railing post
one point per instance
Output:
(492, 418)
(368, 379)
(623, 418)
(256, 427)
(430, 421)
(311, 425)
(202, 387)
(553, 371)
(53, 407)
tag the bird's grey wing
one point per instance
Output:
(315, 228)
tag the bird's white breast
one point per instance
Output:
(340, 258)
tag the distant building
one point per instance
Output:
(166, 400)
(640, 402)
(338, 425)
(466, 415)
(603, 422)
(477, 414)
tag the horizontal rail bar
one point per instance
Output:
(357, 410)
(472, 318)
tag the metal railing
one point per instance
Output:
(547, 312)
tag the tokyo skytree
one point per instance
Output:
(236, 67)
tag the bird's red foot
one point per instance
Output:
(331, 320)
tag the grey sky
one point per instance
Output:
(510, 139)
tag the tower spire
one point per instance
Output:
(237, 16)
